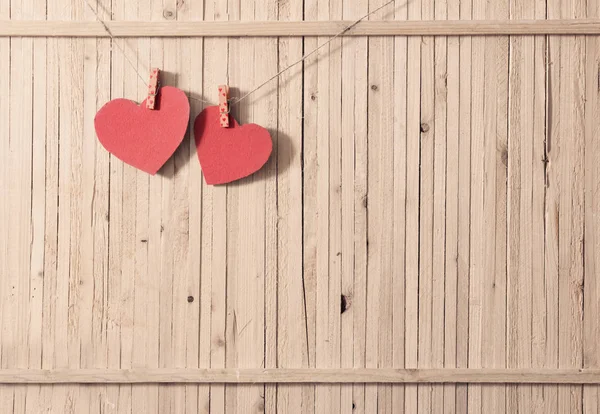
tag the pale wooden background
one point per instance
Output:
(448, 187)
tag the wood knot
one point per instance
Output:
(218, 341)
(345, 304)
(504, 157)
(374, 87)
(168, 14)
(424, 127)
(190, 299)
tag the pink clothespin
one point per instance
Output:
(153, 86)
(224, 106)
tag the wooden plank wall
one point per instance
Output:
(430, 203)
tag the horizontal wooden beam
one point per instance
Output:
(303, 28)
(185, 375)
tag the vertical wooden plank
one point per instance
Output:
(565, 194)
(526, 189)
(283, 120)
(5, 129)
(519, 279)
(251, 60)
(34, 399)
(155, 240)
(102, 78)
(399, 205)
(426, 207)
(348, 70)
(69, 130)
(143, 327)
(591, 350)
(238, 51)
(184, 399)
(6, 393)
(73, 64)
(413, 148)
(166, 396)
(94, 189)
(135, 214)
(551, 248)
(192, 77)
(542, 306)
(495, 209)
(18, 187)
(214, 228)
(432, 207)
(51, 230)
(477, 254)
(181, 237)
(327, 193)
(334, 273)
(122, 225)
(488, 211)
(238, 58)
(438, 277)
(313, 102)
(463, 262)
(170, 398)
(90, 176)
(379, 349)
(295, 289)
(520, 144)
(454, 161)
(316, 204)
(354, 207)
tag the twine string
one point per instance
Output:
(114, 42)
(307, 55)
(236, 101)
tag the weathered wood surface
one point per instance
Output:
(482, 27)
(431, 203)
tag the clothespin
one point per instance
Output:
(224, 106)
(153, 86)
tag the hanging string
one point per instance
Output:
(307, 55)
(114, 41)
(277, 75)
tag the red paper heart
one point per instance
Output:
(144, 138)
(228, 154)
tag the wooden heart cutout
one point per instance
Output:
(144, 138)
(228, 154)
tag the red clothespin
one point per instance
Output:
(153, 86)
(224, 106)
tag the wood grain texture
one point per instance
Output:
(424, 237)
(591, 326)
(426, 27)
(299, 375)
